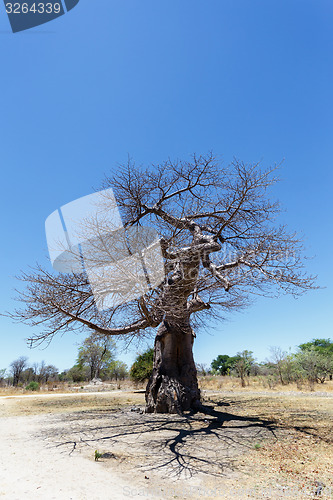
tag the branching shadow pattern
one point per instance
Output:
(207, 442)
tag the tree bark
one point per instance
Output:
(173, 385)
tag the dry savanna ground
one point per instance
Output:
(249, 443)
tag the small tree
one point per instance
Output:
(27, 375)
(77, 373)
(117, 370)
(314, 364)
(17, 367)
(278, 358)
(50, 373)
(324, 347)
(202, 369)
(291, 371)
(96, 353)
(223, 364)
(143, 366)
(243, 363)
(40, 370)
(42, 373)
(2, 376)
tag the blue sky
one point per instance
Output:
(250, 79)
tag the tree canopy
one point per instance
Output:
(217, 218)
(325, 346)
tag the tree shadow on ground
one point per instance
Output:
(180, 446)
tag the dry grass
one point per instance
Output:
(302, 454)
(69, 388)
(67, 403)
(44, 389)
(259, 384)
(218, 383)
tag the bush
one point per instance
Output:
(32, 386)
(142, 366)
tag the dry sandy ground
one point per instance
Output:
(36, 464)
(252, 445)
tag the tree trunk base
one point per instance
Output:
(169, 395)
(173, 385)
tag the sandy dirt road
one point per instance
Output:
(34, 466)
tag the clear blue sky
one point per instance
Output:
(251, 79)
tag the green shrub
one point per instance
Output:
(142, 366)
(32, 386)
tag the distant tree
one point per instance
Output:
(42, 373)
(255, 369)
(143, 366)
(278, 358)
(78, 373)
(96, 352)
(223, 364)
(35, 368)
(243, 363)
(63, 376)
(27, 375)
(17, 367)
(290, 368)
(202, 369)
(325, 348)
(117, 370)
(2, 375)
(320, 345)
(315, 365)
(50, 373)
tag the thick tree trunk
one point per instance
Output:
(173, 385)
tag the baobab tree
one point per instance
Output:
(221, 247)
